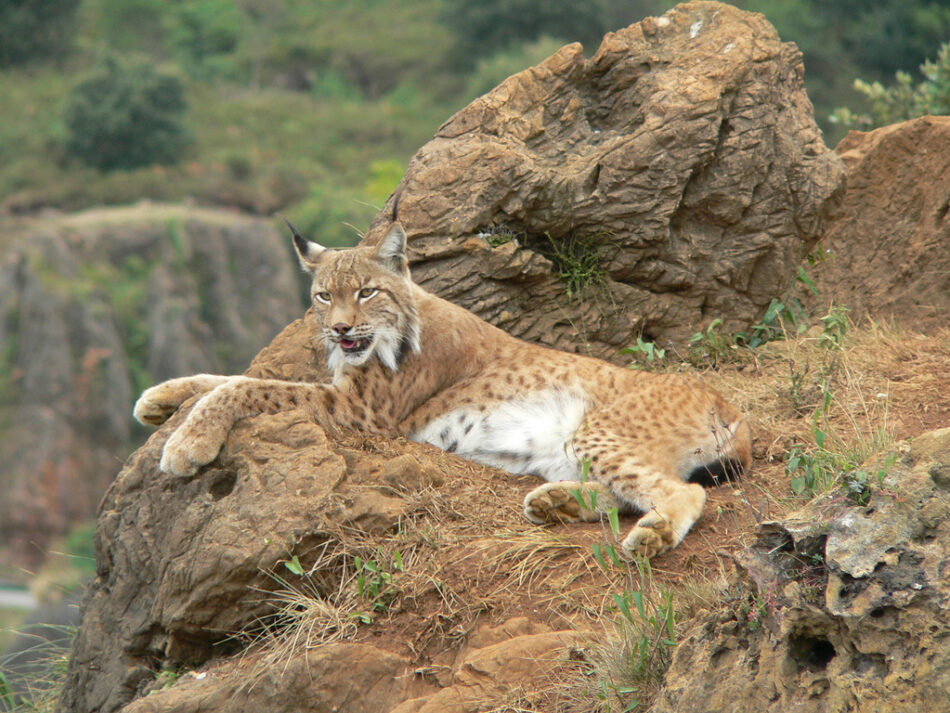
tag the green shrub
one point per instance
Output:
(123, 117)
(332, 216)
(205, 35)
(33, 31)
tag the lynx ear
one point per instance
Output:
(308, 252)
(391, 250)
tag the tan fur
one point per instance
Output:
(453, 379)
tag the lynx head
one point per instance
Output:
(362, 298)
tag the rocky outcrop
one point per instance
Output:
(360, 678)
(98, 305)
(887, 247)
(675, 177)
(843, 606)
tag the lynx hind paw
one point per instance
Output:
(653, 535)
(189, 448)
(561, 502)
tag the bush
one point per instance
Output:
(206, 35)
(126, 117)
(36, 31)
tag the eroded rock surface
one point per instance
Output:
(683, 156)
(182, 563)
(888, 242)
(849, 604)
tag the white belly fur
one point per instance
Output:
(530, 434)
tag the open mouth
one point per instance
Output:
(354, 346)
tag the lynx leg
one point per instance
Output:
(560, 501)
(198, 440)
(157, 404)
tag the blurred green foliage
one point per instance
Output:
(903, 99)
(314, 107)
(126, 116)
(36, 32)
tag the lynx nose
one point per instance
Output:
(341, 328)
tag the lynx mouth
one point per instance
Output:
(354, 346)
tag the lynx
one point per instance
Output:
(407, 363)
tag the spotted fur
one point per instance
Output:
(408, 363)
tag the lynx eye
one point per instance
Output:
(324, 297)
(366, 293)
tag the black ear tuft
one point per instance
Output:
(308, 252)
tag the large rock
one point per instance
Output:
(887, 247)
(842, 606)
(682, 160)
(94, 307)
(182, 563)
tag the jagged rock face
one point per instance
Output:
(887, 246)
(181, 564)
(97, 305)
(850, 604)
(681, 162)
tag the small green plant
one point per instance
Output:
(835, 326)
(374, 583)
(7, 698)
(637, 660)
(168, 676)
(645, 351)
(579, 262)
(712, 346)
(857, 483)
(779, 319)
(500, 234)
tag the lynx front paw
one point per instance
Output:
(652, 535)
(155, 406)
(190, 447)
(552, 502)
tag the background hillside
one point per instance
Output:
(314, 108)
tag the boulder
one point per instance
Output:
(182, 564)
(887, 247)
(843, 606)
(675, 177)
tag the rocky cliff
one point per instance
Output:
(847, 605)
(94, 307)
